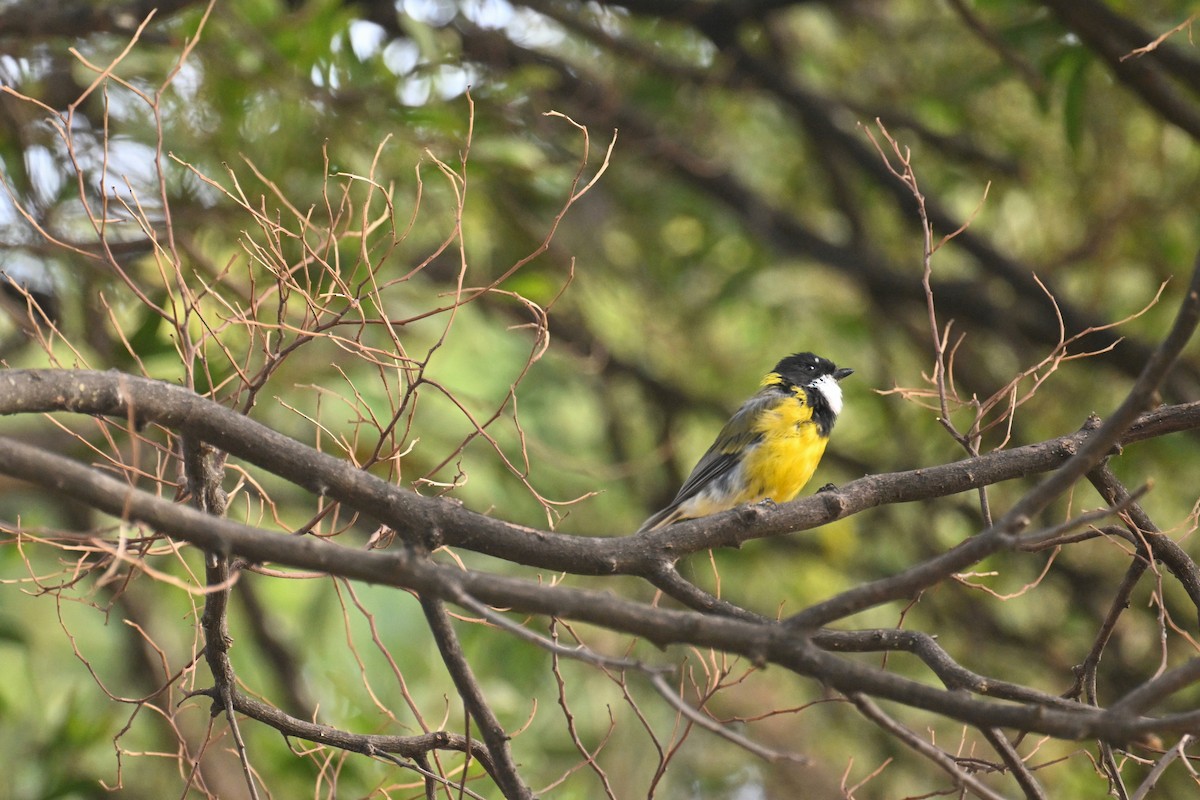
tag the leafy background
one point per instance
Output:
(744, 214)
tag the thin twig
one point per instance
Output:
(963, 779)
(1005, 532)
(668, 693)
(1155, 774)
(1012, 759)
(1138, 52)
(589, 757)
(580, 653)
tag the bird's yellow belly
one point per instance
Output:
(786, 458)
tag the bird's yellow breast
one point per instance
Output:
(787, 454)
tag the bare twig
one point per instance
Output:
(1005, 532)
(671, 695)
(1138, 52)
(588, 756)
(412, 747)
(1012, 759)
(961, 778)
(1179, 751)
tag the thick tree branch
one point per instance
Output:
(506, 775)
(439, 522)
(28, 18)
(1111, 37)
(759, 642)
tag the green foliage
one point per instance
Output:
(670, 287)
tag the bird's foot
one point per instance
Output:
(829, 487)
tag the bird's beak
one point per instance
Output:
(844, 372)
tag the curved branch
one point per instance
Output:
(368, 744)
(436, 522)
(952, 674)
(759, 642)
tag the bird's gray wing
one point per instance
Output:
(723, 456)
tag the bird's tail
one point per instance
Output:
(662, 519)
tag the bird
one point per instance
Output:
(769, 448)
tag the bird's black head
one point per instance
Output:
(804, 369)
(818, 378)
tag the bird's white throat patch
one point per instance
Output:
(831, 391)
